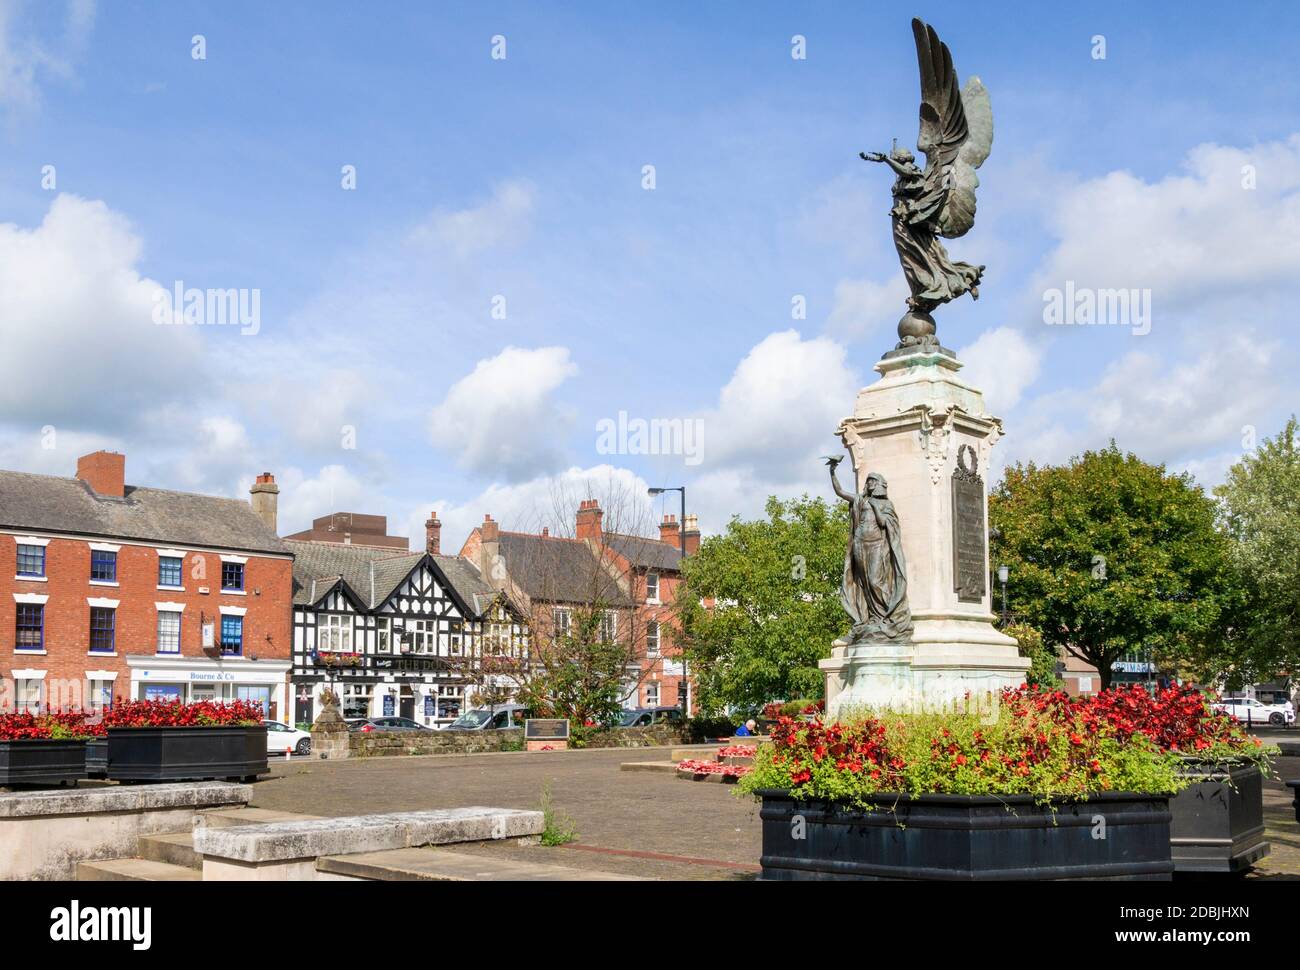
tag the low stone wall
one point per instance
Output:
(376, 744)
(44, 834)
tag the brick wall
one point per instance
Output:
(267, 623)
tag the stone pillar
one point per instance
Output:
(329, 733)
(928, 432)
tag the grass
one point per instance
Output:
(557, 827)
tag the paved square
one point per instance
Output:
(634, 822)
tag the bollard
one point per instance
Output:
(287, 752)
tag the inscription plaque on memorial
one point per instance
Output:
(968, 572)
(546, 728)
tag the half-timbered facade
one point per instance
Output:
(393, 635)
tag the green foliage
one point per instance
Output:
(1260, 511)
(961, 754)
(1110, 554)
(774, 588)
(557, 827)
(1042, 673)
(579, 676)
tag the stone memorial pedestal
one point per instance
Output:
(928, 432)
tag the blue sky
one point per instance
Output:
(522, 178)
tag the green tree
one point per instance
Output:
(1110, 554)
(1042, 673)
(578, 675)
(1260, 511)
(772, 605)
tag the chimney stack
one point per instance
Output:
(104, 472)
(692, 534)
(588, 520)
(264, 496)
(670, 531)
(490, 563)
(433, 534)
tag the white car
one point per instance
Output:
(1250, 711)
(280, 736)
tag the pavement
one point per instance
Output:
(632, 823)
(628, 823)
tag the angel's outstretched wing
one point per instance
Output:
(958, 213)
(956, 135)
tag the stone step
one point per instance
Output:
(175, 850)
(225, 817)
(666, 766)
(441, 865)
(698, 752)
(135, 870)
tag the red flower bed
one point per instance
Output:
(63, 725)
(1177, 719)
(694, 767)
(738, 751)
(176, 714)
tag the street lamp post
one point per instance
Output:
(1003, 573)
(681, 538)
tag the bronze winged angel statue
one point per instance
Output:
(939, 201)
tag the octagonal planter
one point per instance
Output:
(41, 762)
(1218, 822)
(186, 753)
(967, 837)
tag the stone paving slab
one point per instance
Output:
(442, 865)
(135, 870)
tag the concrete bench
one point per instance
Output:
(289, 850)
(44, 834)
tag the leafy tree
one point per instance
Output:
(1042, 673)
(1110, 554)
(1260, 511)
(580, 674)
(771, 592)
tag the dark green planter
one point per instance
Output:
(1218, 822)
(967, 838)
(41, 762)
(97, 758)
(186, 753)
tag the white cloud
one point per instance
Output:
(26, 61)
(867, 308)
(333, 489)
(501, 420)
(781, 407)
(549, 500)
(1197, 235)
(505, 218)
(80, 344)
(1001, 363)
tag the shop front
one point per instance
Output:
(191, 679)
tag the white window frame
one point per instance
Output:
(652, 638)
(168, 610)
(334, 632)
(652, 597)
(561, 620)
(652, 700)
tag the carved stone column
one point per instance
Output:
(928, 432)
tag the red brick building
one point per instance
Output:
(109, 590)
(634, 577)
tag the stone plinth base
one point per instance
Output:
(920, 676)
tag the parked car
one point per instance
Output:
(355, 723)
(390, 724)
(1254, 712)
(645, 716)
(280, 736)
(504, 717)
